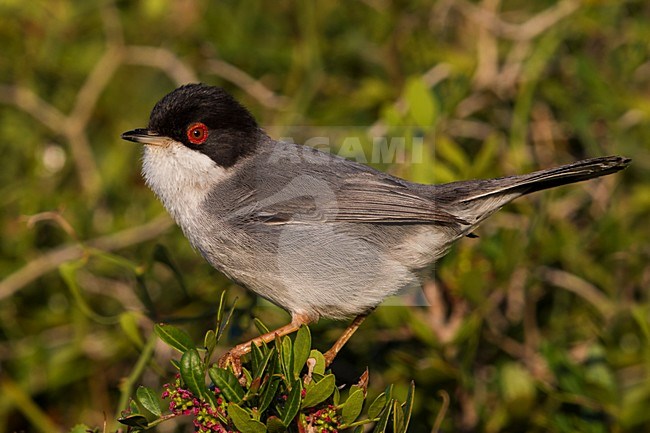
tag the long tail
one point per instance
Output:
(477, 199)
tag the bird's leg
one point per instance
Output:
(336, 348)
(232, 356)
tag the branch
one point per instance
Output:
(580, 287)
(93, 87)
(58, 123)
(160, 58)
(31, 104)
(530, 29)
(52, 260)
(250, 85)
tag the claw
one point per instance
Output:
(233, 360)
(232, 357)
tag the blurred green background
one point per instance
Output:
(541, 325)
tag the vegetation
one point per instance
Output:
(542, 324)
(272, 394)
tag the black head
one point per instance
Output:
(204, 118)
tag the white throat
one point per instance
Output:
(181, 178)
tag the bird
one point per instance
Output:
(319, 235)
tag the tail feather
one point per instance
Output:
(550, 178)
(475, 200)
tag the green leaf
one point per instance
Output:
(268, 393)
(337, 397)
(133, 407)
(292, 405)
(254, 387)
(377, 406)
(210, 343)
(351, 409)
(256, 357)
(243, 421)
(210, 340)
(227, 384)
(484, 159)
(320, 361)
(174, 337)
(129, 324)
(319, 391)
(193, 374)
(248, 378)
(398, 417)
(137, 421)
(382, 424)
(261, 368)
(518, 388)
(301, 349)
(273, 366)
(68, 272)
(261, 327)
(220, 310)
(222, 325)
(287, 358)
(274, 425)
(452, 152)
(408, 405)
(422, 104)
(149, 400)
(389, 391)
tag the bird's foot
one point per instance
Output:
(349, 331)
(232, 358)
(329, 356)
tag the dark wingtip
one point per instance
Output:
(620, 159)
(616, 162)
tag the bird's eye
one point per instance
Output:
(197, 133)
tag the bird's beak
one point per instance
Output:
(145, 136)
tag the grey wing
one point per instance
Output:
(382, 201)
(361, 197)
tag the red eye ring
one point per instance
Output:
(197, 133)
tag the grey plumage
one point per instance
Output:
(312, 232)
(324, 236)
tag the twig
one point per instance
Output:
(250, 85)
(535, 363)
(469, 129)
(55, 217)
(112, 24)
(84, 162)
(94, 85)
(52, 260)
(58, 123)
(442, 412)
(487, 53)
(31, 104)
(126, 387)
(580, 287)
(432, 77)
(445, 323)
(528, 30)
(162, 59)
